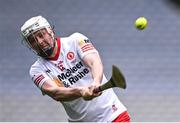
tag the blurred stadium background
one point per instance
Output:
(149, 59)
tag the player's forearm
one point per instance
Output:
(93, 61)
(64, 94)
(97, 71)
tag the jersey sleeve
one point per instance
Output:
(38, 75)
(84, 45)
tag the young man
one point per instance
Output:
(68, 70)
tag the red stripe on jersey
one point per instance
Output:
(38, 79)
(87, 49)
(87, 45)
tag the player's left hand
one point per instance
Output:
(92, 87)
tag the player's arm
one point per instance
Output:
(60, 93)
(90, 56)
(54, 88)
(65, 94)
(93, 61)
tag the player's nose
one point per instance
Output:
(41, 40)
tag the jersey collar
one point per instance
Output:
(58, 50)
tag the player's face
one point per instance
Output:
(41, 38)
(41, 41)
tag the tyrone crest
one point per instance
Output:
(70, 56)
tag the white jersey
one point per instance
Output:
(68, 67)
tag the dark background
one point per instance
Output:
(150, 59)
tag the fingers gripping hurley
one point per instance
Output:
(117, 80)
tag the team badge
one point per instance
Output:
(114, 107)
(70, 56)
(60, 65)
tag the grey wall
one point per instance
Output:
(149, 59)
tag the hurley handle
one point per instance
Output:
(96, 90)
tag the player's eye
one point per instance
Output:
(39, 35)
(31, 39)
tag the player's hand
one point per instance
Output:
(86, 93)
(92, 87)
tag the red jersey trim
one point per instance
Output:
(58, 50)
(123, 117)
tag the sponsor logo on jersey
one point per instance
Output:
(83, 42)
(56, 79)
(74, 73)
